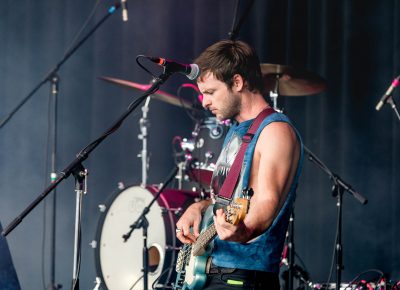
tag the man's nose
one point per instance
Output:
(206, 101)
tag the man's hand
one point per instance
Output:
(191, 219)
(227, 231)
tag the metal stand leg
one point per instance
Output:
(80, 188)
(291, 251)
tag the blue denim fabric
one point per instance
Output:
(263, 253)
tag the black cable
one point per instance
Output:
(188, 112)
(160, 276)
(333, 255)
(137, 281)
(382, 275)
(85, 24)
(142, 66)
(301, 262)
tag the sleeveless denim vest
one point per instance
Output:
(264, 252)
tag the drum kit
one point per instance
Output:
(118, 263)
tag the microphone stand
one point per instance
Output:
(53, 78)
(53, 71)
(143, 223)
(339, 187)
(80, 175)
(392, 104)
(53, 175)
(233, 34)
(76, 168)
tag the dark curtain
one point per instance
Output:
(352, 44)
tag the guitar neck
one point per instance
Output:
(203, 240)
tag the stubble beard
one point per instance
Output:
(231, 109)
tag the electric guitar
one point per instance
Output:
(192, 258)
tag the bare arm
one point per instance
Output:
(273, 169)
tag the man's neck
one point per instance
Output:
(252, 105)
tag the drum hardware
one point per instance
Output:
(143, 124)
(98, 283)
(121, 185)
(177, 211)
(170, 248)
(102, 207)
(199, 160)
(93, 244)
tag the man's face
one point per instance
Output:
(218, 98)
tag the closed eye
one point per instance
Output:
(208, 92)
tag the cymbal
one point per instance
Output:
(290, 81)
(159, 95)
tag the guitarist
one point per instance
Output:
(246, 255)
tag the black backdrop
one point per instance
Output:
(352, 44)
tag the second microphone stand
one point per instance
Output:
(143, 223)
(339, 187)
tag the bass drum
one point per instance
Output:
(119, 264)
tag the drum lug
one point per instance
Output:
(93, 244)
(102, 207)
(176, 211)
(171, 248)
(121, 185)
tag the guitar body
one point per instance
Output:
(192, 259)
(192, 275)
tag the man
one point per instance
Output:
(246, 255)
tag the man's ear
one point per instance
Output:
(238, 83)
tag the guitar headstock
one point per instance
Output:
(237, 210)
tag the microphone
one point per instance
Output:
(191, 71)
(388, 93)
(124, 6)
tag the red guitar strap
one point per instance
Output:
(228, 187)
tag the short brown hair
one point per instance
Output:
(226, 58)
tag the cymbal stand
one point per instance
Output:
(187, 147)
(144, 125)
(274, 94)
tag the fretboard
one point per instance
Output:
(203, 240)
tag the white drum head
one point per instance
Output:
(120, 262)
